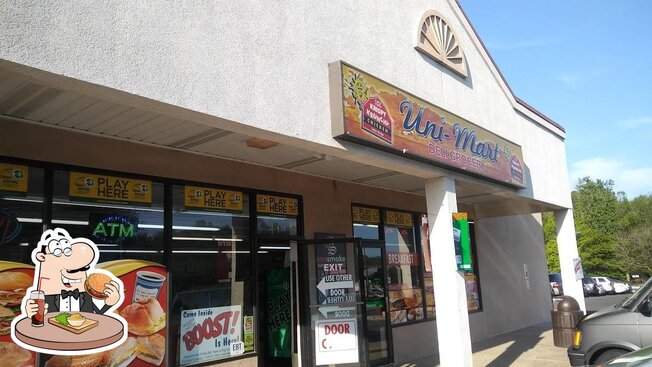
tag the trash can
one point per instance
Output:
(566, 313)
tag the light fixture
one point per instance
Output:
(260, 143)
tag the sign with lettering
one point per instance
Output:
(336, 341)
(398, 219)
(335, 283)
(13, 179)
(277, 205)
(101, 188)
(207, 333)
(205, 198)
(377, 114)
(462, 241)
(365, 215)
(112, 228)
(402, 258)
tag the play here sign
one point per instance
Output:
(337, 341)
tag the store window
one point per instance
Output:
(404, 281)
(427, 268)
(366, 222)
(277, 215)
(211, 267)
(474, 302)
(122, 215)
(21, 211)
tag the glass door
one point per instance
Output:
(276, 279)
(378, 331)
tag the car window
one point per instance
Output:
(634, 299)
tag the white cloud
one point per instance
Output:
(637, 122)
(633, 181)
(574, 79)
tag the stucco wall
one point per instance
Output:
(264, 64)
(504, 244)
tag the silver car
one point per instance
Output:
(614, 331)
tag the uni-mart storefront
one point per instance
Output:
(230, 249)
(313, 235)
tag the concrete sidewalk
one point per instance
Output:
(529, 347)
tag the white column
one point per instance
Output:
(450, 290)
(567, 247)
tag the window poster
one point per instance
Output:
(279, 313)
(277, 205)
(144, 309)
(208, 334)
(15, 278)
(103, 188)
(210, 199)
(13, 179)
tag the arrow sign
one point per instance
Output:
(323, 285)
(324, 310)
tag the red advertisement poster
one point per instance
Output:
(144, 308)
(15, 278)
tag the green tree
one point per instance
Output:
(550, 239)
(594, 204)
(596, 249)
(634, 238)
(596, 212)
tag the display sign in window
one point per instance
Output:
(277, 205)
(13, 179)
(208, 334)
(365, 215)
(206, 198)
(103, 188)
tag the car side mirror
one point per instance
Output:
(645, 307)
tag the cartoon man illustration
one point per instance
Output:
(62, 265)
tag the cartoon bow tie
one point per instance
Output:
(74, 294)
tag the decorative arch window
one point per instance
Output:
(437, 40)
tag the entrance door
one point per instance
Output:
(375, 299)
(276, 277)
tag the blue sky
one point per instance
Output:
(588, 66)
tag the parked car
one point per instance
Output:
(606, 284)
(639, 358)
(592, 288)
(556, 288)
(614, 331)
(620, 286)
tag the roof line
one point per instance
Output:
(518, 100)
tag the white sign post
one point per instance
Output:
(577, 265)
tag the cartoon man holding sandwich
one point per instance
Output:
(62, 266)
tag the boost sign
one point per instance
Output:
(337, 342)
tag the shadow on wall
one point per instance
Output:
(468, 81)
(505, 244)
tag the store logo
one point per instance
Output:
(84, 184)
(9, 227)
